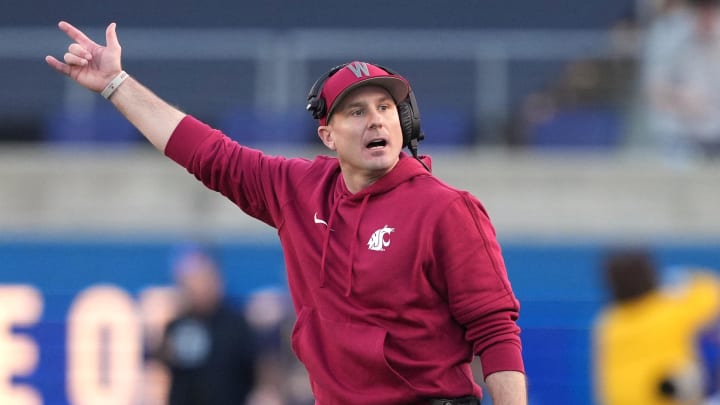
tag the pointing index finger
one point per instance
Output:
(75, 34)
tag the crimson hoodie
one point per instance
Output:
(395, 287)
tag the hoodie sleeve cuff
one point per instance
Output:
(502, 357)
(185, 139)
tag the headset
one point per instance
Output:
(407, 109)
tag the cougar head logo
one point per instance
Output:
(378, 241)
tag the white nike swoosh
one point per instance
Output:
(319, 221)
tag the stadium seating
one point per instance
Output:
(251, 127)
(102, 124)
(447, 127)
(598, 128)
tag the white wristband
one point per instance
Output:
(114, 84)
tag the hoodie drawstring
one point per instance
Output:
(353, 245)
(326, 242)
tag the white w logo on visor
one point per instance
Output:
(377, 241)
(359, 69)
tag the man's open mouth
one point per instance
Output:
(376, 144)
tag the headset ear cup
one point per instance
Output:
(317, 108)
(316, 104)
(407, 122)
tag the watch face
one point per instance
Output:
(190, 344)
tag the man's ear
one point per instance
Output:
(326, 136)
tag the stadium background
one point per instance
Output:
(89, 214)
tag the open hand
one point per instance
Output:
(91, 65)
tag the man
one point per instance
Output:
(208, 347)
(397, 279)
(645, 344)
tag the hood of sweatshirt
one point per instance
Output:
(406, 169)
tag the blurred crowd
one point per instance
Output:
(659, 90)
(655, 88)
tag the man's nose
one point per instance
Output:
(376, 119)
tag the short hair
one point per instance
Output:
(630, 274)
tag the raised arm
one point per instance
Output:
(93, 66)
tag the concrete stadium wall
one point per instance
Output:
(134, 190)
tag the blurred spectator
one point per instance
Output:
(587, 104)
(680, 81)
(209, 347)
(582, 108)
(645, 341)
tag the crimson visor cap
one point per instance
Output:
(357, 74)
